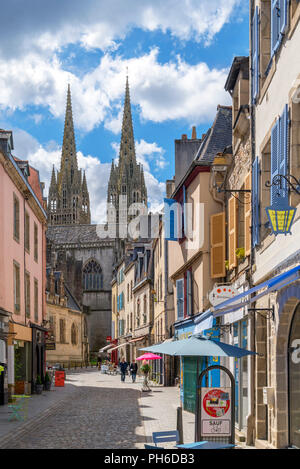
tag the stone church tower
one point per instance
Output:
(126, 178)
(68, 200)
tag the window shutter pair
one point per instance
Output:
(180, 298)
(279, 155)
(232, 231)
(247, 215)
(217, 245)
(255, 55)
(279, 22)
(255, 202)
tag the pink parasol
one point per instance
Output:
(149, 356)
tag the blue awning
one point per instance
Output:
(245, 298)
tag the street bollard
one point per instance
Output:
(180, 425)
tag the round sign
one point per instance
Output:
(216, 403)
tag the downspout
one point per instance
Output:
(251, 417)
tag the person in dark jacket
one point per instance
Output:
(133, 370)
(123, 368)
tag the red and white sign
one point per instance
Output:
(222, 293)
(216, 411)
(108, 338)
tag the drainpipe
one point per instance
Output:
(251, 417)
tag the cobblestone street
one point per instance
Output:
(101, 412)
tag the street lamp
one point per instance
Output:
(280, 214)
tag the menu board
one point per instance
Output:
(59, 378)
(216, 411)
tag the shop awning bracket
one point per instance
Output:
(271, 312)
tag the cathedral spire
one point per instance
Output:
(68, 200)
(68, 156)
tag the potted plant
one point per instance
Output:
(47, 382)
(145, 369)
(38, 385)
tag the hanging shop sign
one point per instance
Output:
(222, 293)
(216, 412)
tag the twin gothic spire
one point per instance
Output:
(127, 178)
(68, 200)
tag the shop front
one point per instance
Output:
(19, 359)
(38, 353)
(191, 367)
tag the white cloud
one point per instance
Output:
(173, 90)
(47, 26)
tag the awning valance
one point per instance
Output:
(118, 346)
(106, 348)
(204, 321)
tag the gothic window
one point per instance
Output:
(53, 205)
(123, 189)
(85, 206)
(62, 331)
(92, 276)
(64, 197)
(74, 339)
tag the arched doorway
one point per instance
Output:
(294, 380)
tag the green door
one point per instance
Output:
(190, 382)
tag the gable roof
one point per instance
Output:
(218, 137)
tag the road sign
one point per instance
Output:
(216, 412)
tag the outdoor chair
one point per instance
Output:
(19, 409)
(153, 447)
(161, 437)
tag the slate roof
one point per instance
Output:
(218, 137)
(71, 301)
(74, 234)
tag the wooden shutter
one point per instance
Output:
(247, 215)
(232, 231)
(217, 245)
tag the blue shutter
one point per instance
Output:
(278, 23)
(189, 293)
(275, 149)
(255, 202)
(171, 220)
(283, 21)
(184, 213)
(283, 150)
(118, 303)
(180, 298)
(255, 55)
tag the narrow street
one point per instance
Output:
(98, 411)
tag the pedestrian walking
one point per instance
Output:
(123, 368)
(133, 370)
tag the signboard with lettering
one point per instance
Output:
(50, 346)
(216, 412)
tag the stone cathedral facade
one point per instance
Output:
(73, 246)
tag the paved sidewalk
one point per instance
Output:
(95, 410)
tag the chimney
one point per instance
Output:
(184, 137)
(194, 133)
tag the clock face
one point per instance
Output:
(222, 293)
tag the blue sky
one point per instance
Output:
(178, 54)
